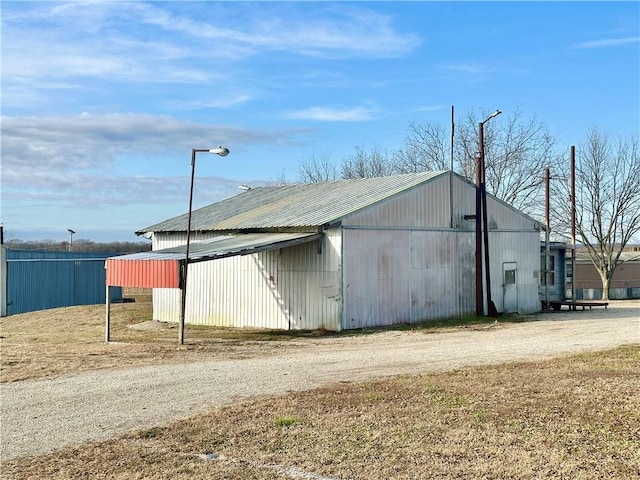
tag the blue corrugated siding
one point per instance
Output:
(41, 280)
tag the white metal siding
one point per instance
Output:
(422, 206)
(407, 276)
(395, 262)
(522, 248)
(288, 288)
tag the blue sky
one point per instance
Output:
(102, 102)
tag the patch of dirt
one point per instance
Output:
(152, 325)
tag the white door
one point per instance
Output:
(510, 287)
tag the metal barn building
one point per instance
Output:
(337, 255)
(33, 280)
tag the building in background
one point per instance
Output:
(625, 283)
(34, 280)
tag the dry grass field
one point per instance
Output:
(577, 417)
(71, 340)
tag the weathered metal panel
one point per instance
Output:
(143, 273)
(406, 276)
(167, 301)
(289, 288)
(294, 205)
(3, 281)
(522, 248)
(310, 282)
(40, 280)
(425, 205)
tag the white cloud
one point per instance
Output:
(80, 158)
(607, 42)
(470, 68)
(430, 108)
(328, 114)
(335, 31)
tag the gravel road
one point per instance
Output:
(40, 416)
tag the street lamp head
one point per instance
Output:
(494, 114)
(222, 151)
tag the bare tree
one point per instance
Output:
(517, 150)
(607, 200)
(363, 164)
(317, 168)
(426, 148)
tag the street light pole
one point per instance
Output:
(481, 217)
(223, 152)
(71, 232)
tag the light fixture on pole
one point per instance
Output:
(71, 232)
(481, 217)
(223, 152)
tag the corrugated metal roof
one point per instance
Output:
(161, 268)
(225, 246)
(306, 206)
(583, 256)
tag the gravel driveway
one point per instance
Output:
(40, 416)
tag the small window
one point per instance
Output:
(509, 277)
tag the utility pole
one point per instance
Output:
(547, 248)
(481, 217)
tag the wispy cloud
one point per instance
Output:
(82, 157)
(430, 108)
(328, 114)
(470, 68)
(336, 31)
(607, 42)
(92, 48)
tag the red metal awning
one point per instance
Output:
(143, 273)
(161, 268)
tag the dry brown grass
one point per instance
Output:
(71, 340)
(577, 417)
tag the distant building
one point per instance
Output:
(624, 284)
(33, 280)
(337, 255)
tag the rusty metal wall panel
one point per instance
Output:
(310, 283)
(143, 273)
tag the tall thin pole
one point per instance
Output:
(107, 320)
(493, 312)
(186, 257)
(481, 217)
(479, 289)
(451, 173)
(547, 253)
(573, 223)
(223, 152)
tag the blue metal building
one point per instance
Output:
(37, 280)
